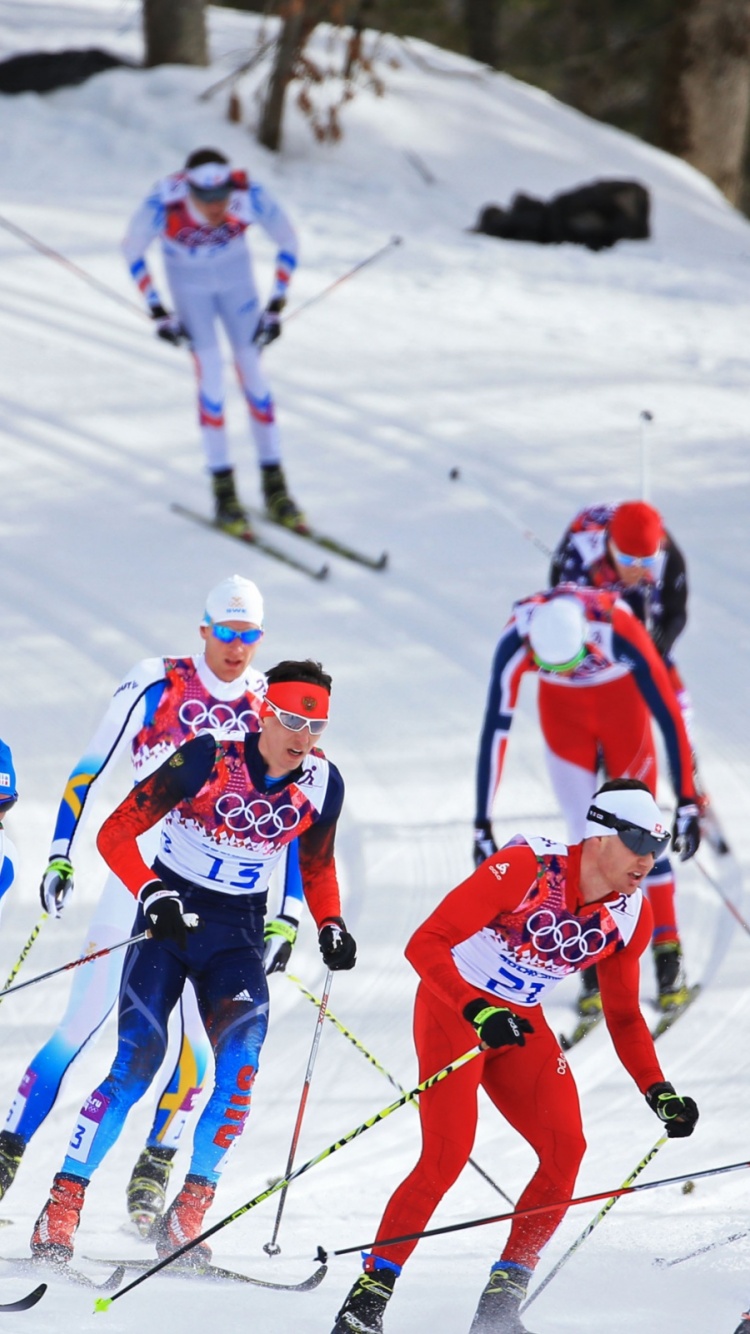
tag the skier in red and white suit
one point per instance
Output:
(488, 957)
(600, 683)
(201, 215)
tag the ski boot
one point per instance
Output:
(589, 1000)
(362, 1312)
(12, 1149)
(57, 1224)
(279, 504)
(147, 1188)
(497, 1312)
(228, 513)
(670, 976)
(183, 1222)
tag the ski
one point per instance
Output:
(664, 1263)
(671, 1016)
(24, 1303)
(215, 1273)
(328, 543)
(65, 1271)
(251, 539)
(582, 1028)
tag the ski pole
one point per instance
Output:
(103, 1303)
(24, 952)
(382, 1070)
(76, 963)
(83, 274)
(370, 259)
(594, 1222)
(645, 418)
(270, 1247)
(528, 1210)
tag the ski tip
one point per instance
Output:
(321, 1256)
(102, 1304)
(382, 562)
(323, 572)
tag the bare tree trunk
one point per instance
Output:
(175, 32)
(481, 22)
(707, 90)
(291, 38)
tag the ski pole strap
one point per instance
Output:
(104, 1303)
(539, 1209)
(595, 1222)
(24, 952)
(76, 963)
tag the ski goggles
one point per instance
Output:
(294, 722)
(636, 839)
(227, 635)
(629, 562)
(210, 182)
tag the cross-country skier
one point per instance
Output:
(160, 704)
(8, 799)
(229, 808)
(625, 547)
(600, 682)
(488, 958)
(201, 215)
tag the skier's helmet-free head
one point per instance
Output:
(557, 634)
(635, 530)
(234, 599)
(209, 175)
(626, 807)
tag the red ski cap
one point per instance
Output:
(636, 528)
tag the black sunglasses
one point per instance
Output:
(634, 836)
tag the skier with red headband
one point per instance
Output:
(488, 958)
(625, 547)
(601, 681)
(229, 804)
(201, 215)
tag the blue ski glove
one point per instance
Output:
(269, 324)
(678, 1114)
(56, 886)
(497, 1026)
(686, 830)
(338, 948)
(279, 937)
(484, 843)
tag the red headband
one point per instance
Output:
(299, 697)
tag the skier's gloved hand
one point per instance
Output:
(497, 1026)
(269, 324)
(678, 1114)
(484, 843)
(338, 948)
(57, 885)
(164, 914)
(279, 937)
(168, 326)
(686, 830)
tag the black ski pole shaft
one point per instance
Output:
(103, 1303)
(540, 1209)
(271, 1247)
(24, 952)
(596, 1220)
(347, 1033)
(83, 274)
(76, 963)
(344, 277)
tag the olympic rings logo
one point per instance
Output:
(567, 939)
(218, 717)
(257, 814)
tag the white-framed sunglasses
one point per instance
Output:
(294, 722)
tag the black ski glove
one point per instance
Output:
(686, 830)
(338, 948)
(269, 324)
(164, 914)
(168, 326)
(678, 1114)
(484, 843)
(497, 1026)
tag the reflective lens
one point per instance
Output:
(228, 636)
(295, 722)
(644, 562)
(211, 194)
(636, 839)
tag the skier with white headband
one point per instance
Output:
(201, 215)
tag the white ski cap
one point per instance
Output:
(209, 175)
(631, 804)
(557, 631)
(234, 599)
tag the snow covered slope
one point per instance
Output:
(527, 368)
